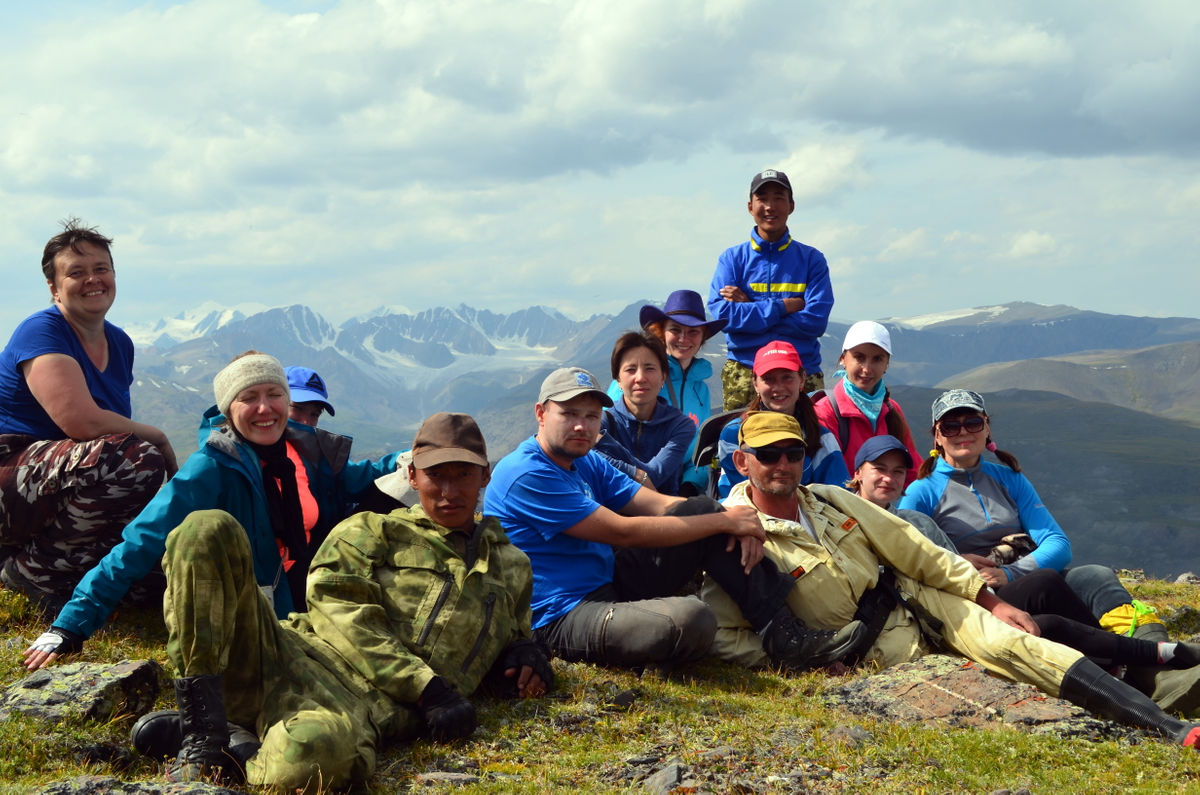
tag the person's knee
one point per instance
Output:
(310, 751)
(1098, 586)
(210, 531)
(675, 629)
(695, 505)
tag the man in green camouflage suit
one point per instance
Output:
(408, 613)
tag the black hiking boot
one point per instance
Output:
(793, 646)
(204, 750)
(159, 735)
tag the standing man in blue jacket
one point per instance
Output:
(770, 287)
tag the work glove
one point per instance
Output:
(515, 655)
(57, 640)
(448, 715)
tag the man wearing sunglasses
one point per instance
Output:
(610, 556)
(834, 544)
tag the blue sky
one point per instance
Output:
(347, 155)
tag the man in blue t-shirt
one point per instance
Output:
(609, 555)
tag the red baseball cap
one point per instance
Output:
(776, 355)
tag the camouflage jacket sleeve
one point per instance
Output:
(394, 600)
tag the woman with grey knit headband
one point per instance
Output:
(284, 484)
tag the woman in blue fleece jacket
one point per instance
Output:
(981, 504)
(643, 435)
(683, 328)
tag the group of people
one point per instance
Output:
(318, 608)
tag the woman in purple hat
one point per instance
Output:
(684, 328)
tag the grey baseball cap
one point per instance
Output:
(957, 399)
(571, 382)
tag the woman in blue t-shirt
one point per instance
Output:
(74, 467)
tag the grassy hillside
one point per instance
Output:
(604, 729)
(1162, 380)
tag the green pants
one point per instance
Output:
(316, 732)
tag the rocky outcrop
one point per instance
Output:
(107, 785)
(942, 689)
(89, 691)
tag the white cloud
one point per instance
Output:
(586, 155)
(1032, 244)
(906, 245)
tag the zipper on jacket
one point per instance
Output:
(987, 517)
(484, 631)
(437, 608)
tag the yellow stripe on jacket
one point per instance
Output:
(778, 287)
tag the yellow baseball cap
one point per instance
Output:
(761, 428)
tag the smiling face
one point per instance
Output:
(640, 377)
(770, 208)
(260, 413)
(865, 365)
(963, 449)
(779, 389)
(85, 283)
(569, 430)
(882, 481)
(683, 342)
(449, 492)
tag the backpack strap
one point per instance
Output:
(671, 392)
(843, 431)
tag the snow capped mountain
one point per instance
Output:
(190, 324)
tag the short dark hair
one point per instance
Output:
(74, 232)
(632, 340)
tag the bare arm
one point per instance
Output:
(606, 527)
(1007, 613)
(57, 384)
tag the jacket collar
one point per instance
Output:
(760, 245)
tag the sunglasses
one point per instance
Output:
(955, 427)
(771, 455)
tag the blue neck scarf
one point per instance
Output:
(869, 404)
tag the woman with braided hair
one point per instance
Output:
(997, 521)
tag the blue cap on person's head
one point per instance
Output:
(686, 308)
(876, 446)
(308, 387)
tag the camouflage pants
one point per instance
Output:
(63, 504)
(315, 732)
(737, 384)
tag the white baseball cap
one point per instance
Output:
(868, 331)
